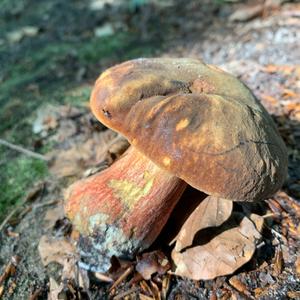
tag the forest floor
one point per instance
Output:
(51, 52)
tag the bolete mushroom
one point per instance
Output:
(187, 122)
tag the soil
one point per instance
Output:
(59, 64)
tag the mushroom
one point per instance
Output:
(188, 123)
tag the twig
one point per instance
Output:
(27, 208)
(51, 202)
(121, 278)
(9, 269)
(23, 150)
(103, 277)
(6, 220)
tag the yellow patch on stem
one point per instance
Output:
(182, 124)
(166, 161)
(129, 192)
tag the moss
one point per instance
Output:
(44, 69)
(78, 96)
(16, 177)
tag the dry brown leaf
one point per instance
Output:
(211, 212)
(239, 285)
(287, 93)
(54, 289)
(269, 99)
(55, 250)
(53, 214)
(246, 13)
(89, 152)
(293, 294)
(63, 252)
(228, 250)
(151, 263)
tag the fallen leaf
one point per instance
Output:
(211, 212)
(228, 250)
(54, 289)
(151, 263)
(270, 99)
(91, 151)
(246, 13)
(62, 251)
(55, 250)
(293, 294)
(287, 93)
(238, 285)
(53, 214)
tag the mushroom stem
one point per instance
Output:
(121, 210)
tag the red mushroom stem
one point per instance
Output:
(121, 210)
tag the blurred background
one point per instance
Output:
(52, 51)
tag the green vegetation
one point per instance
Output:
(46, 75)
(16, 176)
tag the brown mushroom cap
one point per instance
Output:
(195, 121)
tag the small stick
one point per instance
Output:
(121, 278)
(23, 150)
(9, 269)
(103, 277)
(10, 215)
(50, 202)
(19, 206)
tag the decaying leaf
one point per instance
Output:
(90, 152)
(246, 13)
(54, 289)
(151, 263)
(211, 212)
(63, 252)
(55, 250)
(231, 246)
(53, 214)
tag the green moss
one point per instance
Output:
(16, 178)
(78, 96)
(43, 70)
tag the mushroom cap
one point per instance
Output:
(195, 121)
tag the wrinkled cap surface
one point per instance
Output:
(195, 121)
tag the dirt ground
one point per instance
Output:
(49, 69)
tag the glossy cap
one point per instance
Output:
(195, 121)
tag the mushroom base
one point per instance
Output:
(121, 210)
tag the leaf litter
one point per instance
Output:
(273, 272)
(230, 247)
